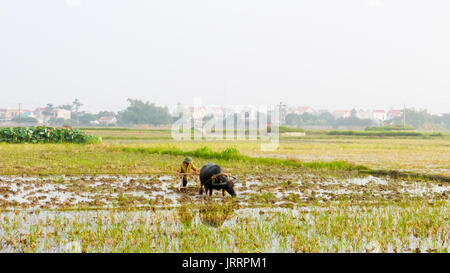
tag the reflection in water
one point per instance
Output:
(215, 214)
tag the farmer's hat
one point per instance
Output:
(187, 159)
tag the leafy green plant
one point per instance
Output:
(42, 134)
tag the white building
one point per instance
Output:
(107, 121)
(391, 114)
(215, 110)
(198, 112)
(363, 114)
(379, 115)
(341, 114)
(62, 114)
(300, 110)
(9, 114)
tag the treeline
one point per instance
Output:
(325, 119)
(421, 119)
(145, 113)
(414, 119)
(138, 112)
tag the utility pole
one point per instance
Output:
(20, 113)
(77, 105)
(404, 116)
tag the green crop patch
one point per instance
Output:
(42, 134)
(384, 133)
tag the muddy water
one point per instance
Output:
(105, 191)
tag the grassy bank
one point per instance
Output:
(234, 154)
(391, 128)
(58, 159)
(43, 159)
(384, 133)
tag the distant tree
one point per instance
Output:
(206, 118)
(86, 118)
(24, 119)
(309, 119)
(293, 120)
(327, 117)
(445, 120)
(421, 119)
(66, 107)
(353, 121)
(48, 110)
(76, 105)
(139, 112)
(105, 114)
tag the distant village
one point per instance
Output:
(378, 115)
(42, 115)
(144, 114)
(303, 116)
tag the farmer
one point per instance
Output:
(186, 167)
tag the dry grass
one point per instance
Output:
(430, 155)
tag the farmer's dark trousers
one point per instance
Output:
(184, 181)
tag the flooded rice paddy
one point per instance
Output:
(164, 191)
(413, 228)
(272, 213)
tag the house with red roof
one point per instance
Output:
(391, 114)
(300, 110)
(107, 121)
(379, 115)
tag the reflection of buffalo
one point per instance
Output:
(213, 177)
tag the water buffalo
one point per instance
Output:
(213, 177)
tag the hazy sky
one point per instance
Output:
(321, 53)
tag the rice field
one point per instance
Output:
(164, 191)
(113, 197)
(343, 227)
